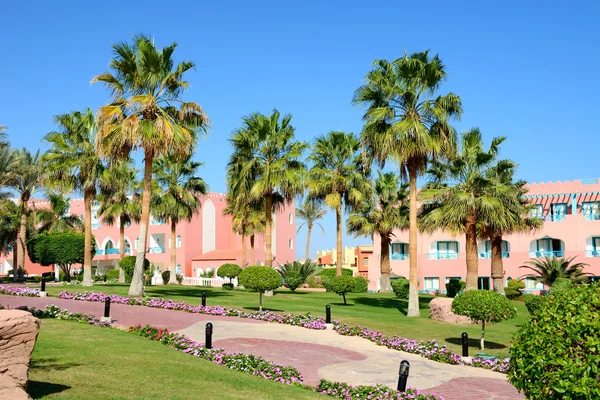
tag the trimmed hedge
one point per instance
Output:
(513, 289)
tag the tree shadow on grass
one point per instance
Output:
(343, 305)
(210, 292)
(289, 292)
(474, 343)
(50, 364)
(391, 302)
(264, 309)
(38, 390)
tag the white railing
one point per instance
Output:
(213, 282)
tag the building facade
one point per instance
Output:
(207, 241)
(571, 214)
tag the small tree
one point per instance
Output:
(296, 273)
(342, 285)
(62, 248)
(260, 279)
(483, 306)
(555, 353)
(127, 264)
(229, 271)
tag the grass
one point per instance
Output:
(77, 361)
(378, 311)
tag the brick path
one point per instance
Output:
(316, 354)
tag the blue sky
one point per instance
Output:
(527, 70)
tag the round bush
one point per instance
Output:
(326, 274)
(513, 288)
(483, 306)
(229, 271)
(400, 288)
(360, 285)
(127, 264)
(112, 275)
(260, 279)
(555, 354)
(227, 286)
(454, 286)
(342, 285)
(560, 285)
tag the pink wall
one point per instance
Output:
(574, 231)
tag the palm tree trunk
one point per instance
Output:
(173, 274)
(21, 241)
(309, 226)
(413, 291)
(268, 220)
(243, 250)
(137, 282)
(338, 227)
(15, 259)
(497, 265)
(384, 280)
(471, 252)
(122, 246)
(87, 244)
(252, 250)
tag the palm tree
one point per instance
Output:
(474, 198)
(549, 270)
(73, 164)
(147, 112)
(310, 212)
(405, 122)
(265, 165)
(10, 223)
(26, 177)
(56, 218)
(386, 211)
(179, 197)
(119, 201)
(247, 219)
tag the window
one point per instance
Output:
(366, 261)
(291, 218)
(532, 284)
(488, 249)
(537, 212)
(449, 278)
(432, 283)
(483, 283)
(137, 243)
(591, 210)
(558, 212)
(178, 241)
(548, 247)
(447, 250)
(399, 251)
(291, 243)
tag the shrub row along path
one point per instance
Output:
(315, 353)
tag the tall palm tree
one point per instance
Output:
(472, 196)
(56, 218)
(548, 270)
(407, 123)
(119, 201)
(266, 165)
(10, 223)
(387, 210)
(310, 212)
(247, 220)
(147, 112)
(336, 177)
(179, 198)
(26, 177)
(72, 163)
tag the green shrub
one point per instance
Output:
(360, 285)
(513, 289)
(555, 354)
(315, 282)
(127, 264)
(99, 278)
(483, 306)
(326, 274)
(229, 271)
(560, 285)
(534, 302)
(296, 273)
(227, 286)
(112, 275)
(454, 287)
(342, 285)
(400, 288)
(260, 279)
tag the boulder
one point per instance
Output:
(440, 309)
(18, 333)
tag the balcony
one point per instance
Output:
(442, 255)
(155, 250)
(398, 256)
(106, 252)
(556, 218)
(592, 253)
(546, 253)
(591, 217)
(488, 254)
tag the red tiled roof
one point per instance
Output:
(215, 255)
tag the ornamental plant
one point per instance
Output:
(400, 288)
(230, 271)
(296, 273)
(483, 306)
(454, 287)
(261, 280)
(326, 274)
(513, 289)
(534, 303)
(555, 355)
(344, 391)
(342, 285)
(127, 264)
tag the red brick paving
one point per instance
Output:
(475, 389)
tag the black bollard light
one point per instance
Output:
(107, 307)
(465, 344)
(203, 299)
(43, 283)
(327, 314)
(208, 337)
(403, 375)
(104, 278)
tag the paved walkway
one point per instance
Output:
(316, 354)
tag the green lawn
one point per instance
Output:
(77, 361)
(378, 311)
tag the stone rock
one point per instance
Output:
(18, 333)
(440, 309)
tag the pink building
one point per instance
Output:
(207, 241)
(571, 215)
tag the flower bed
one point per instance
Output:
(52, 311)
(379, 392)
(494, 365)
(19, 291)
